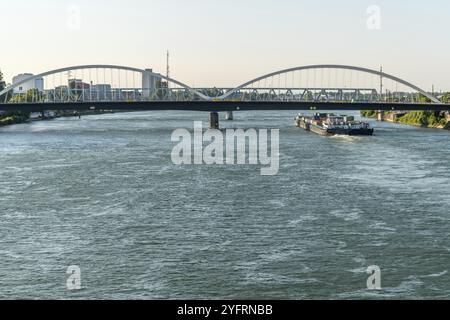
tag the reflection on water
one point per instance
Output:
(102, 193)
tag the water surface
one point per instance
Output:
(103, 194)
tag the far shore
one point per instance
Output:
(8, 120)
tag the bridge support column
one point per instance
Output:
(214, 120)
(380, 115)
(229, 116)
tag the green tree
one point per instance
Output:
(2, 82)
(369, 113)
(32, 95)
(160, 84)
(3, 86)
(424, 118)
(446, 97)
(162, 90)
(424, 99)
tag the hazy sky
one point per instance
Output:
(225, 43)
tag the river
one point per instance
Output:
(102, 193)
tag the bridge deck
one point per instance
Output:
(222, 106)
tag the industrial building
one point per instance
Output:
(28, 85)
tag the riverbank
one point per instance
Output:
(13, 118)
(425, 119)
(18, 118)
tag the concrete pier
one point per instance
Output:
(214, 120)
(380, 115)
(229, 116)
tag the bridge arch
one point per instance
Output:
(331, 66)
(102, 66)
(186, 92)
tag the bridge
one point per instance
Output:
(314, 87)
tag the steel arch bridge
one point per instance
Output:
(324, 91)
(315, 86)
(108, 85)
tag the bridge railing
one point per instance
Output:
(89, 95)
(320, 94)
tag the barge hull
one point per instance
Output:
(332, 132)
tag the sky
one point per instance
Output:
(225, 43)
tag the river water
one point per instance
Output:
(102, 193)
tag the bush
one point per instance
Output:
(368, 113)
(424, 118)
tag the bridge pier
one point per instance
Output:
(380, 115)
(229, 116)
(214, 120)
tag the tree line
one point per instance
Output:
(2, 82)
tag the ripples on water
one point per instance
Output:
(102, 193)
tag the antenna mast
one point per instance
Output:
(381, 83)
(168, 68)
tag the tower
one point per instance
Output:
(381, 83)
(168, 68)
(148, 83)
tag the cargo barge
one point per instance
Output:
(326, 124)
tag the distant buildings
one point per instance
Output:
(37, 83)
(101, 92)
(78, 84)
(148, 83)
(80, 89)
